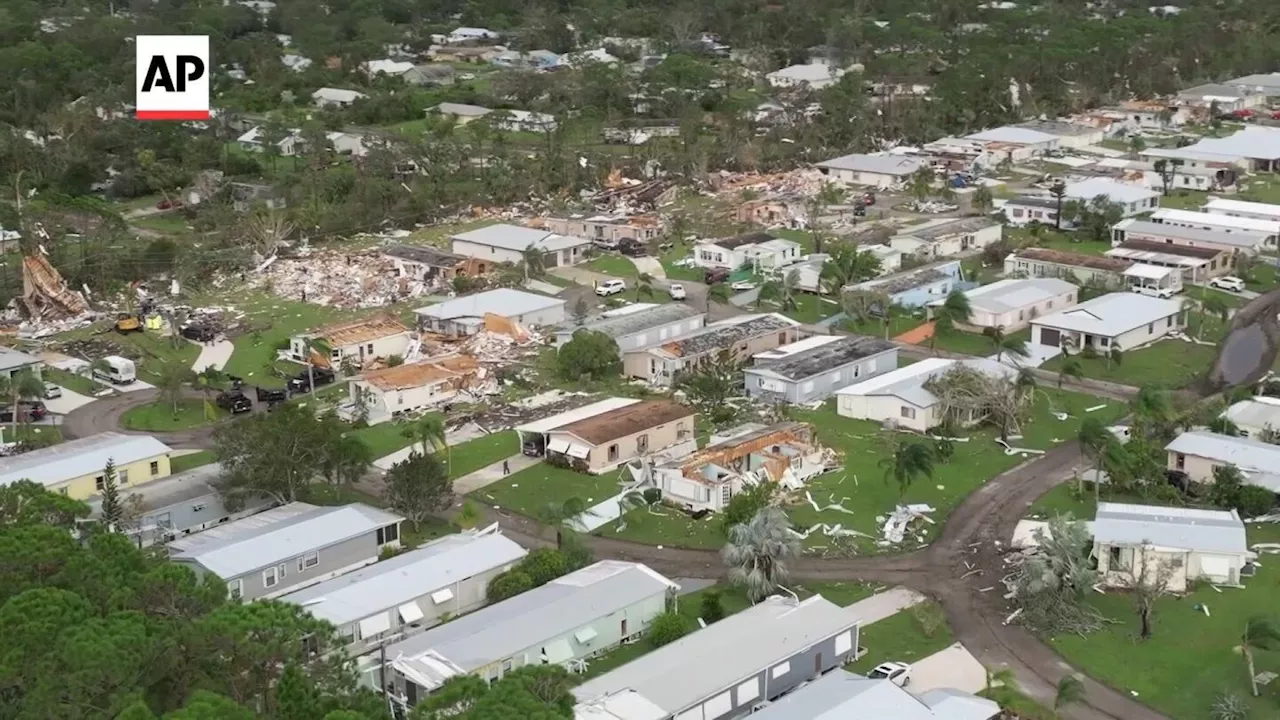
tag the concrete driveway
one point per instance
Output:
(651, 265)
(954, 667)
(68, 401)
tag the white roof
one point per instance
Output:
(337, 95)
(1112, 314)
(1217, 205)
(11, 359)
(388, 67)
(75, 458)
(519, 239)
(806, 73)
(907, 383)
(548, 424)
(500, 301)
(1211, 221)
(1118, 192)
(1213, 531)
(461, 109)
(524, 116)
(1003, 296)
(1254, 141)
(1258, 412)
(1216, 235)
(405, 578)
(881, 164)
(716, 658)
(1150, 272)
(1012, 134)
(1245, 453)
(796, 347)
(276, 536)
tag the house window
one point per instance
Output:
(681, 430)
(642, 443)
(155, 467)
(857, 370)
(308, 560)
(369, 349)
(270, 577)
(1176, 562)
(1120, 558)
(388, 534)
(1168, 322)
(62, 490)
(908, 412)
(1021, 314)
(1151, 328)
(613, 452)
(99, 482)
(1049, 306)
(235, 589)
(122, 477)
(506, 666)
(1179, 461)
(759, 382)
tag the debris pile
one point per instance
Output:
(342, 279)
(905, 519)
(625, 195)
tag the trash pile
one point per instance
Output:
(905, 519)
(933, 208)
(804, 182)
(346, 280)
(492, 347)
(47, 306)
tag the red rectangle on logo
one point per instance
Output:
(172, 114)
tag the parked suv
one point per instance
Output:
(610, 287)
(234, 401)
(302, 383)
(1227, 282)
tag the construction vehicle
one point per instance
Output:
(126, 323)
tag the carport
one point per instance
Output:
(533, 435)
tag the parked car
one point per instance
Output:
(270, 396)
(198, 333)
(234, 401)
(610, 287)
(1227, 282)
(631, 248)
(27, 411)
(302, 383)
(742, 285)
(898, 673)
(677, 291)
(605, 243)
(52, 391)
(1163, 293)
(715, 275)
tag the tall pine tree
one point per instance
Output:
(112, 510)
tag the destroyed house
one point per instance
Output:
(428, 264)
(359, 341)
(914, 288)
(468, 315)
(1073, 267)
(812, 369)
(601, 443)
(608, 228)
(739, 337)
(737, 460)
(643, 327)
(394, 391)
(1198, 264)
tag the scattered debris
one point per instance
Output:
(334, 278)
(1011, 450)
(900, 522)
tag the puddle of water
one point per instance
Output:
(1244, 350)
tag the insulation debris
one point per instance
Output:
(902, 520)
(836, 530)
(1011, 450)
(831, 504)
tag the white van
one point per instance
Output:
(116, 370)
(610, 287)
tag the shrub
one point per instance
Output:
(542, 566)
(929, 618)
(508, 584)
(1252, 501)
(711, 609)
(1088, 353)
(667, 628)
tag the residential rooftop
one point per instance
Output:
(1059, 257)
(1013, 135)
(842, 695)
(1221, 236)
(434, 257)
(727, 333)
(737, 241)
(895, 165)
(1036, 201)
(1229, 224)
(1112, 314)
(637, 322)
(912, 279)
(582, 412)
(908, 382)
(461, 109)
(359, 331)
(188, 485)
(501, 301)
(1003, 296)
(626, 421)
(713, 659)
(518, 238)
(1140, 250)
(824, 358)
(431, 568)
(1245, 453)
(1058, 127)
(938, 229)
(55, 464)
(1113, 190)
(1213, 531)
(1255, 412)
(412, 375)
(11, 359)
(277, 535)
(1229, 205)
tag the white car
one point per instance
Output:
(743, 285)
(677, 291)
(52, 391)
(1227, 282)
(898, 673)
(610, 287)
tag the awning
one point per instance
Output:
(558, 445)
(557, 652)
(579, 451)
(371, 626)
(410, 612)
(585, 635)
(442, 596)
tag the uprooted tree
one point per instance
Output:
(968, 395)
(1050, 586)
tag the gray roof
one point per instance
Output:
(1003, 296)
(1058, 127)
(938, 229)
(636, 322)
(461, 109)
(519, 239)
(1268, 83)
(711, 660)
(1245, 453)
(59, 463)
(895, 165)
(726, 333)
(276, 535)
(1214, 531)
(912, 279)
(11, 359)
(1112, 314)
(502, 301)
(1113, 190)
(1255, 413)
(1215, 90)
(423, 254)
(1047, 203)
(558, 608)
(1234, 238)
(825, 358)
(194, 483)
(1013, 134)
(841, 695)
(907, 383)
(952, 704)
(405, 578)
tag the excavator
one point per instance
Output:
(127, 323)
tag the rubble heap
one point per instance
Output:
(45, 295)
(342, 279)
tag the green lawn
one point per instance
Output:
(191, 460)
(276, 320)
(1047, 237)
(1168, 363)
(898, 323)
(1183, 200)
(679, 251)
(472, 455)
(171, 223)
(903, 637)
(971, 343)
(1198, 292)
(74, 382)
(1262, 277)
(1065, 500)
(37, 435)
(411, 536)
(151, 351)
(531, 489)
(615, 265)
(160, 417)
(1191, 658)
(667, 526)
(384, 438)
(809, 309)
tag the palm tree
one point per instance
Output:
(533, 262)
(1071, 368)
(209, 379)
(1058, 191)
(556, 514)
(23, 384)
(312, 346)
(1010, 344)
(1260, 633)
(644, 286)
(1070, 692)
(983, 201)
(829, 194)
(758, 552)
(718, 292)
(781, 289)
(921, 183)
(170, 383)
(1093, 437)
(957, 305)
(908, 461)
(942, 325)
(846, 266)
(1025, 382)
(430, 431)
(1213, 305)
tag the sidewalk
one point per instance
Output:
(216, 355)
(882, 605)
(486, 476)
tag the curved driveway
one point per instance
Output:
(103, 415)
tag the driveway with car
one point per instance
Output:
(954, 667)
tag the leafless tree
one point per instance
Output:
(1146, 580)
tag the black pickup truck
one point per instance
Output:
(234, 401)
(302, 383)
(268, 395)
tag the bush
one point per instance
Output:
(929, 618)
(743, 506)
(667, 628)
(1088, 353)
(1253, 501)
(508, 584)
(588, 356)
(711, 609)
(543, 565)
(652, 496)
